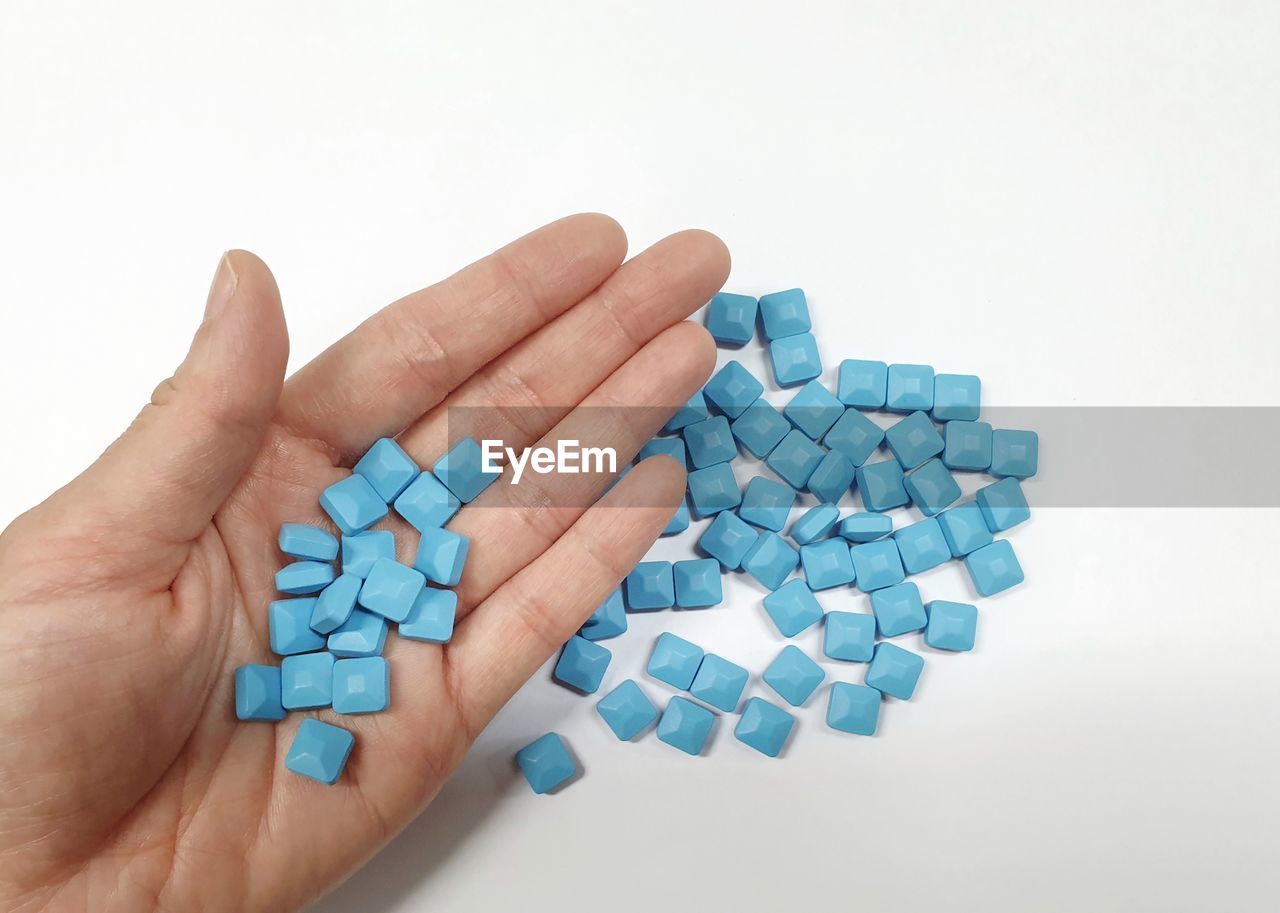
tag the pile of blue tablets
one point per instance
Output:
(332, 632)
(346, 592)
(823, 443)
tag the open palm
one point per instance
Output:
(129, 597)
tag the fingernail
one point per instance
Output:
(224, 286)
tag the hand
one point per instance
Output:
(129, 597)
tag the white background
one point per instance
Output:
(1077, 201)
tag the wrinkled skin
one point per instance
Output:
(129, 597)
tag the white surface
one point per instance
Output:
(1076, 201)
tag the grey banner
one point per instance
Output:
(1089, 456)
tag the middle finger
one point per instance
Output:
(519, 396)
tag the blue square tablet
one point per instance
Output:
(877, 564)
(731, 319)
(710, 442)
(760, 428)
(308, 542)
(719, 683)
(894, 671)
(427, 503)
(898, 609)
(363, 634)
(793, 675)
(1003, 504)
(695, 410)
(732, 389)
(679, 521)
(767, 503)
(881, 485)
(361, 685)
(827, 564)
(353, 504)
(388, 468)
(854, 435)
(582, 665)
(650, 587)
(866, 526)
(303, 577)
(258, 693)
(795, 459)
(432, 616)
(952, 625)
(626, 710)
(674, 660)
(462, 470)
(814, 409)
(770, 559)
(334, 604)
(795, 359)
(913, 440)
(967, 445)
(697, 583)
(785, 314)
(306, 681)
(931, 487)
(955, 397)
(360, 551)
(862, 383)
(319, 751)
(609, 620)
(849, 636)
(764, 727)
(833, 477)
(728, 539)
(815, 523)
(994, 568)
(713, 489)
(853, 708)
(670, 446)
(964, 528)
(685, 725)
(546, 763)
(390, 589)
(442, 554)
(289, 627)
(922, 546)
(1014, 453)
(909, 388)
(793, 608)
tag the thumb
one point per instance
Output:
(167, 475)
